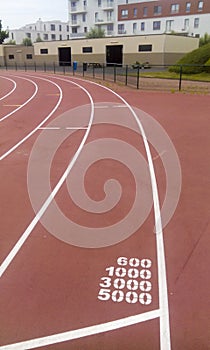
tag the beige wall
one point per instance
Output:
(19, 52)
(166, 49)
(1, 55)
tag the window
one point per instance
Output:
(99, 3)
(73, 5)
(143, 48)
(52, 27)
(157, 10)
(169, 25)
(188, 5)
(28, 35)
(11, 57)
(156, 25)
(74, 30)
(196, 22)
(53, 37)
(121, 29)
(60, 37)
(142, 26)
(67, 37)
(29, 56)
(85, 29)
(145, 11)
(110, 29)
(60, 27)
(84, 17)
(74, 19)
(45, 36)
(186, 23)
(135, 12)
(43, 51)
(134, 27)
(12, 35)
(67, 28)
(174, 8)
(124, 13)
(88, 49)
(200, 5)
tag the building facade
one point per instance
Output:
(45, 31)
(127, 17)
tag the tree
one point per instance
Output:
(38, 39)
(27, 42)
(96, 33)
(3, 34)
(204, 40)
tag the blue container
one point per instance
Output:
(75, 65)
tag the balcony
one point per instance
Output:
(78, 9)
(109, 5)
(104, 21)
(75, 23)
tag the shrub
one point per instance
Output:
(207, 66)
(193, 61)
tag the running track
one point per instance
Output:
(52, 293)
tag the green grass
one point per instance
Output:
(172, 75)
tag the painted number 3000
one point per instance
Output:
(129, 282)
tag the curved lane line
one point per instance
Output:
(165, 338)
(11, 91)
(38, 126)
(44, 207)
(165, 342)
(25, 103)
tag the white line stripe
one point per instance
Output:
(75, 128)
(38, 126)
(50, 128)
(38, 216)
(165, 341)
(83, 332)
(25, 103)
(10, 92)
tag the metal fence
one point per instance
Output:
(129, 75)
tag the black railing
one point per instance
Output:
(130, 75)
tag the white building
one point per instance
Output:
(128, 17)
(46, 31)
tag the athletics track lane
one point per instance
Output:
(63, 303)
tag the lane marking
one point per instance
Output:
(165, 338)
(52, 94)
(49, 128)
(25, 103)
(83, 332)
(11, 91)
(38, 126)
(44, 207)
(12, 105)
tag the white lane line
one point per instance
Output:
(11, 91)
(44, 207)
(49, 128)
(83, 332)
(165, 338)
(38, 126)
(25, 103)
(75, 128)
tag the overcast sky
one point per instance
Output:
(17, 13)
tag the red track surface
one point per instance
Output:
(52, 287)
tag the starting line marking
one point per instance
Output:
(83, 332)
(61, 128)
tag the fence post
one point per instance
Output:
(126, 75)
(44, 66)
(115, 73)
(103, 71)
(180, 78)
(64, 69)
(34, 66)
(93, 70)
(16, 66)
(137, 83)
(25, 66)
(54, 67)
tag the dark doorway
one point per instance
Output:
(114, 55)
(64, 56)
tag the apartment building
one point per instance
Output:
(46, 31)
(127, 17)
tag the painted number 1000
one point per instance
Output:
(129, 282)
